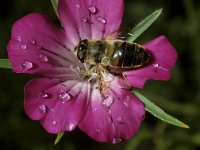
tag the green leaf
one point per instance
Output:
(158, 112)
(55, 6)
(4, 63)
(58, 138)
(143, 25)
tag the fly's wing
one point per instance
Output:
(125, 31)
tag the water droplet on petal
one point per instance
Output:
(44, 95)
(126, 101)
(33, 42)
(24, 47)
(102, 20)
(125, 104)
(84, 20)
(27, 65)
(108, 101)
(98, 130)
(43, 109)
(93, 9)
(116, 140)
(77, 5)
(43, 58)
(155, 65)
(19, 38)
(70, 127)
(119, 119)
(64, 97)
(54, 122)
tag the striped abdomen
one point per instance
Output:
(128, 55)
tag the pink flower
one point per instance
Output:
(62, 98)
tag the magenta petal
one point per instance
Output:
(72, 14)
(113, 119)
(164, 58)
(90, 19)
(97, 121)
(59, 107)
(37, 45)
(127, 113)
(33, 105)
(108, 19)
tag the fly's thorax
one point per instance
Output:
(92, 52)
(96, 51)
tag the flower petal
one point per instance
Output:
(115, 117)
(112, 12)
(59, 107)
(164, 58)
(36, 46)
(34, 97)
(127, 114)
(88, 19)
(97, 122)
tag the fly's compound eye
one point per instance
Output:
(82, 50)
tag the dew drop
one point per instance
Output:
(33, 42)
(126, 101)
(43, 109)
(27, 65)
(64, 97)
(77, 5)
(70, 127)
(119, 119)
(125, 104)
(155, 65)
(108, 102)
(98, 130)
(43, 58)
(102, 20)
(84, 20)
(24, 47)
(54, 122)
(19, 38)
(44, 95)
(116, 140)
(93, 9)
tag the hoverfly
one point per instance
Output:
(113, 54)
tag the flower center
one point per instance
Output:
(95, 74)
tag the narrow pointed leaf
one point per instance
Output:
(143, 25)
(55, 6)
(158, 112)
(58, 138)
(4, 63)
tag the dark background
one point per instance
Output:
(180, 96)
